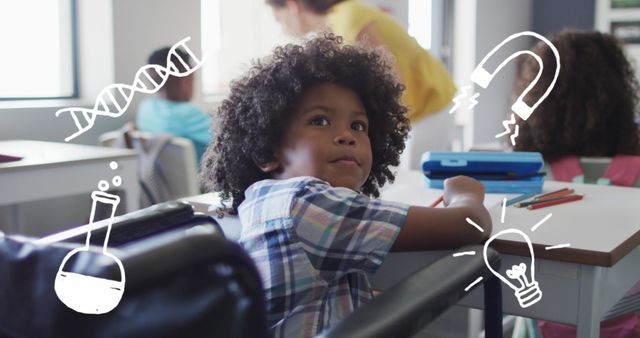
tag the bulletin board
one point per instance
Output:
(622, 19)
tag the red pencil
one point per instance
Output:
(543, 196)
(554, 202)
(563, 192)
(438, 201)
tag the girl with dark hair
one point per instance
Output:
(593, 106)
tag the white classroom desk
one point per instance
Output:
(49, 170)
(579, 283)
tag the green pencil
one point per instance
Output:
(526, 204)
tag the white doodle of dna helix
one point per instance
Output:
(149, 79)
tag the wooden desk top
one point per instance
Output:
(601, 229)
(39, 153)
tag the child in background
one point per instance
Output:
(591, 112)
(304, 143)
(169, 111)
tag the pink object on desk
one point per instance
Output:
(9, 158)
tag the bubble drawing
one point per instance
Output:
(149, 79)
(88, 294)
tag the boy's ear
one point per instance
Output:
(270, 167)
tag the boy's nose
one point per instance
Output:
(345, 138)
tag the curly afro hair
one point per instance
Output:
(252, 119)
(593, 107)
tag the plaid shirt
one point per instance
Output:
(313, 245)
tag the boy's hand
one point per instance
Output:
(428, 228)
(462, 187)
(463, 191)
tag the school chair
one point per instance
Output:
(592, 170)
(183, 278)
(167, 163)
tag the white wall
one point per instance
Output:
(495, 21)
(142, 26)
(480, 25)
(464, 61)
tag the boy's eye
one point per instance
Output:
(359, 126)
(319, 121)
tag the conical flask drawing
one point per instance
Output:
(88, 294)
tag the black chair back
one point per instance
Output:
(182, 280)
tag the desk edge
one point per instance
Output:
(571, 255)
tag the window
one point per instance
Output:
(38, 58)
(420, 22)
(234, 33)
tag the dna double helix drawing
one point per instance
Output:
(149, 79)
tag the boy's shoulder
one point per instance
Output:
(282, 190)
(268, 186)
(271, 199)
(295, 187)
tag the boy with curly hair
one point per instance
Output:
(305, 141)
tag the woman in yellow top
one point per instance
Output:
(429, 87)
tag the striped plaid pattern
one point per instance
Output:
(313, 245)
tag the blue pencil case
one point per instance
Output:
(499, 172)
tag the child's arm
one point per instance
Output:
(446, 228)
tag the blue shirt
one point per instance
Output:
(313, 245)
(181, 119)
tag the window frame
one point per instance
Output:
(75, 93)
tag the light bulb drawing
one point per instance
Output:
(519, 277)
(527, 290)
(482, 77)
(148, 79)
(88, 294)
